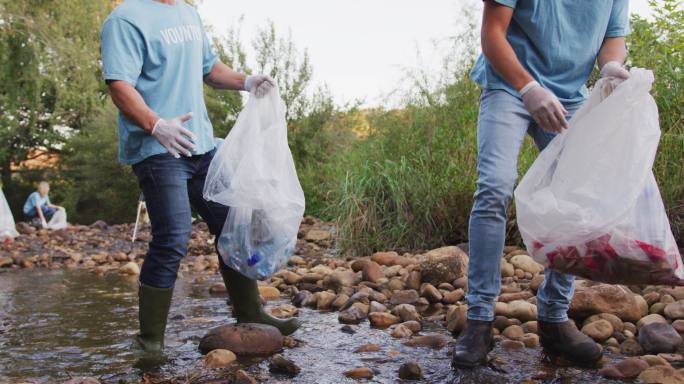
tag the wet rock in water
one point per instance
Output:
(219, 358)
(268, 292)
(302, 298)
(348, 329)
(652, 318)
(513, 332)
(242, 377)
(377, 307)
(358, 297)
(340, 301)
(444, 265)
(405, 297)
(280, 364)
(530, 327)
(324, 300)
(406, 312)
(284, 311)
(598, 330)
(530, 340)
(456, 318)
(367, 348)
(431, 293)
(512, 344)
(435, 341)
(352, 315)
(389, 259)
(661, 374)
(360, 373)
(243, 339)
(401, 332)
(626, 369)
(6, 262)
(130, 268)
(675, 310)
(291, 278)
(659, 338)
(454, 296)
(82, 380)
(382, 320)
(654, 360)
(526, 263)
(615, 321)
(414, 326)
(410, 371)
(631, 347)
(373, 272)
(607, 298)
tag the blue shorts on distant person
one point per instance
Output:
(172, 187)
(502, 126)
(48, 212)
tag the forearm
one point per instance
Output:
(498, 50)
(222, 77)
(132, 105)
(613, 49)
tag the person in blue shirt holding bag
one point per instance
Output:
(156, 59)
(537, 57)
(38, 208)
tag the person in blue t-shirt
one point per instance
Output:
(156, 58)
(38, 207)
(537, 57)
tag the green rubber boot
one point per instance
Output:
(247, 307)
(154, 304)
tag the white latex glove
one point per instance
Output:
(43, 224)
(615, 70)
(259, 85)
(544, 107)
(172, 135)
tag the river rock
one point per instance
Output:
(359, 373)
(454, 296)
(242, 377)
(280, 364)
(530, 327)
(367, 348)
(324, 300)
(435, 341)
(615, 321)
(414, 326)
(82, 380)
(352, 315)
(661, 374)
(317, 235)
(401, 332)
(303, 299)
(648, 319)
(607, 298)
(409, 296)
(526, 263)
(406, 312)
(675, 310)
(130, 268)
(414, 280)
(358, 297)
(431, 293)
(507, 269)
(340, 301)
(284, 311)
(389, 259)
(382, 320)
(530, 340)
(373, 272)
(376, 307)
(243, 339)
(518, 309)
(269, 293)
(654, 360)
(444, 265)
(625, 369)
(410, 371)
(598, 330)
(513, 332)
(659, 337)
(219, 358)
(456, 318)
(512, 344)
(631, 347)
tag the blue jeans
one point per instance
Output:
(171, 186)
(47, 213)
(502, 125)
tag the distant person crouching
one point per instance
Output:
(40, 212)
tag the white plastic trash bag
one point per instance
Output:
(590, 205)
(7, 225)
(58, 219)
(253, 173)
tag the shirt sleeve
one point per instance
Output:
(618, 24)
(34, 200)
(123, 50)
(508, 3)
(209, 58)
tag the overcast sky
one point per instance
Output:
(359, 48)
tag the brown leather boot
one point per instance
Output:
(566, 341)
(473, 344)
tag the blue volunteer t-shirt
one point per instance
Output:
(557, 41)
(35, 200)
(162, 51)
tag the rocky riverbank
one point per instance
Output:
(412, 298)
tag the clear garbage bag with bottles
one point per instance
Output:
(254, 174)
(590, 205)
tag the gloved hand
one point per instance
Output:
(615, 70)
(259, 84)
(171, 134)
(544, 107)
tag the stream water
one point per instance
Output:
(57, 324)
